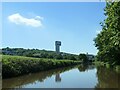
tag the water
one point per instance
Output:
(82, 76)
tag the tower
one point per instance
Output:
(57, 46)
(57, 77)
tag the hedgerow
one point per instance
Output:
(19, 65)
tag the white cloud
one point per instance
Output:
(38, 17)
(18, 19)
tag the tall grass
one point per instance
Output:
(18, 65)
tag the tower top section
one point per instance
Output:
(58, 43)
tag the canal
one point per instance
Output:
(81, 76)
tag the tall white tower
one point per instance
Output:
(57, 46)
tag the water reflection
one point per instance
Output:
(21, 81)
(57, 77)
(86, 67)
(81, 76)
(107, 78)
(83, 68)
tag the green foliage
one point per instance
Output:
(107, 65)
(83, 58)
(38, 53)
(18, 65)
(99, 63)
(58, 56)
(108, 41)
(117, 68)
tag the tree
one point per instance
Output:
(108, 41)
(38, 53)
(83, 58)
(72, 57)
(58, 56)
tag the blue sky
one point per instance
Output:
(39, 25)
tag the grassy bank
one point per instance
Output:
(107, 65)
(17, 65)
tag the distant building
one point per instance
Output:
(90, 57)
(57, 46)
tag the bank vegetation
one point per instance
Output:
(19, 65)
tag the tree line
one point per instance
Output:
(36, 53)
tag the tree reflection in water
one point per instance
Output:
(85, 67)
(107, 78)
(22, 81)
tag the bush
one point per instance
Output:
(108, 65)
(117, 68)
(18, 65)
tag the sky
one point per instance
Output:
(40, 24)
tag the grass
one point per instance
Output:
(18, 65)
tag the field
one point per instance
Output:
(18, 65)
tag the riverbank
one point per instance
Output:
(13, 66)
(107, 65)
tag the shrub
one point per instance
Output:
(18, 65)
(117, 68)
